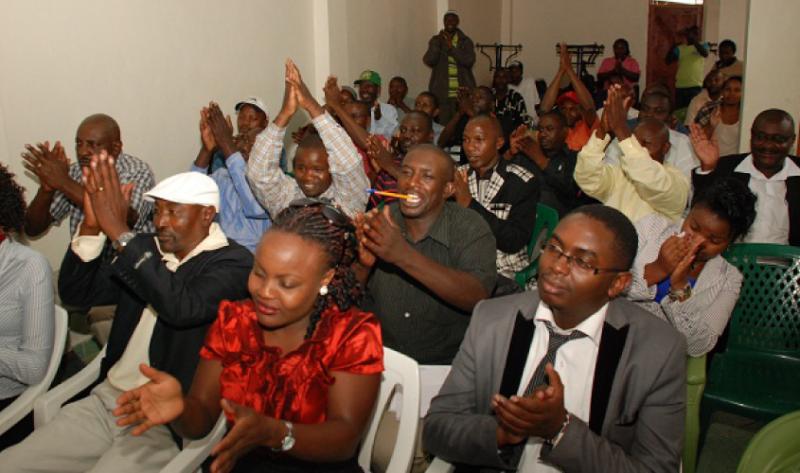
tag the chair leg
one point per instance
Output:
(705, 422)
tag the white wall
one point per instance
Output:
(770, 75)
(481, 21)
(725, 19)
(151, 65)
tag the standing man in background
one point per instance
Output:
(450, 56)
(691, 55)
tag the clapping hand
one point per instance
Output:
(222, 129)
(304, 97)
(383, 238)
(50, 166)
(250, 429)
(461, 188)
(106, 201)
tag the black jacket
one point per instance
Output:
(185, 301)
(726, 167)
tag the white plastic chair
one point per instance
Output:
(440, 466)
(24, 403)
(400, 373)
(195, 452)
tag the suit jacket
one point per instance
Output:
(185, 301)
(638, 396)
(726, 167)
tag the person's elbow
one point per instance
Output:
(35, 370)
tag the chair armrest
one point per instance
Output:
(440, 466)
(696, 370)
(48, 405)
(195, 452)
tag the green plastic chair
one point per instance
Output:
(775, 448)
(695, 384)
(546, 221)
(758, 374)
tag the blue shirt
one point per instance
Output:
(240, 215)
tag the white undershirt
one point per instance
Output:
(772, 210)
(575, 363)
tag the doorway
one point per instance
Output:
(665, 20)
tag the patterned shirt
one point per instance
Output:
(275, 190)
(130, 169)
(512, 108)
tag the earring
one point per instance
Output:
(323, 291)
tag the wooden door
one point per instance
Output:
(664, 23)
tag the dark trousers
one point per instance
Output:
(19, 431)
(685, 95)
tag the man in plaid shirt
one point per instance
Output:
(61, 191)
(503, 192)
(326, 165)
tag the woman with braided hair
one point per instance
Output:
(296, 368)
(27, 321)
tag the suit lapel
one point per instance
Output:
(612, 343)
(518, 348)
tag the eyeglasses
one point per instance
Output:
(329, 211)
(777, 139)
(575, 261)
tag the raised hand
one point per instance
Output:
(333, 95)
(304, 97)
(289, 106)
(563, 56)
(158, 402)
(107, 196)
(221, 129)
(50, 166)
(617, 115)
(209, 143)
(540, 415)
(383, 237)
(706, 149)
(461, 188)
(250, 429)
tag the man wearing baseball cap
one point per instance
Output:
(251, 118)
(384, 116)
(166, 288)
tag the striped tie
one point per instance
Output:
(555, 342)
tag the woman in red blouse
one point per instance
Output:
(296, 368)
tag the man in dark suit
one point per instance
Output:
(772, 178)
(569, 378)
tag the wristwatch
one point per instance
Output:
(680, 295)
(288, 441)
(122, 241)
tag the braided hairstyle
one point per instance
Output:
(338, 240)
(12, 202)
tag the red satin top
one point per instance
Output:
(293, 386)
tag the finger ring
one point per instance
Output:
(100, 188)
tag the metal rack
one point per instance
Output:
(498, 53)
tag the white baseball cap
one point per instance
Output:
(254, 101)
(186, 188)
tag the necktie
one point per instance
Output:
(555, 342)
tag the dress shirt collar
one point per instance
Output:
(592, 326)
(790, 169)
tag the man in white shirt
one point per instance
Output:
(774, 179)
(384, 116)
(526, 87)
(166, 288)
(569, 377)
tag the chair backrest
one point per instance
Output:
(24, 402)
(546, 221)
(775, 448)
(767, 315)
(400, 373)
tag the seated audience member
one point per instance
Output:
(427, 103)
(640, 184)
(774, 179)
(428, 261)
(679, 273)
(27, 321)
(348, 94)
(384, 116)
(503, 192)
(509, 106)
(622, 65)
(398, 90)
(554, 162)
(478, 101)
(525, 86)
(615, 79)
(728, 64)
(569, 378)
(414, 129)
(250, 114)
(721, 119)
(712, 90)
(166, 288)
(577, 105)
(295, 368)
(241, 217)
(657, 105)
(325, 165)
(61, 190)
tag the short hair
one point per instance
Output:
(624, 43)
(450, 167)
(736, 78)
(401, 79)
(426, 119)
(311, 140)
(658, 93)
(557, 115)
(12, 202)
(493, 121)
(727, 43)
(432, 96)
(360, 103)
(731, 200)
(773, 115)
(625, 241)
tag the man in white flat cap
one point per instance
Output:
(166, 287)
